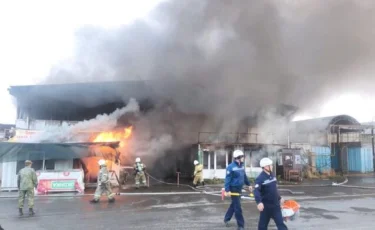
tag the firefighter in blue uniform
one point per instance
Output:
(234, 181)
(267, 197)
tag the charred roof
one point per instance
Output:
(82, 94)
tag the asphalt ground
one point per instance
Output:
(322, 208)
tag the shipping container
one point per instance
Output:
(322, 156)
(360, 159)
(334, 158)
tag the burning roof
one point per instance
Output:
(12, 151)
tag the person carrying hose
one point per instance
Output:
(104, 184)
(139, 170)
(234, 181)
(267, 197)
(198, 174)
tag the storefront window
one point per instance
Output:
(205, 160)
(221, 159)
(248, 159)
(212, 160)
(208, 159)
(37, 165)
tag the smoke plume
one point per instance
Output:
(227, 59)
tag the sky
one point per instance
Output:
(35, 35)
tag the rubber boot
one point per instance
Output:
(20, 211)
(94, 201)
(31, 212)
(112, 200)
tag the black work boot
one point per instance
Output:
(112, 200)
(94, 201)
(31, 212)
(20, 211)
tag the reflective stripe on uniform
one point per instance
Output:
(269, 181)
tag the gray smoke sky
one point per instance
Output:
(229, 57)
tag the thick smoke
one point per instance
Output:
(228, 59)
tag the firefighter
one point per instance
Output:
(267, 197)
(104, 185)
(27, 181)
(235, 179)
(139, 170)
(198, 174)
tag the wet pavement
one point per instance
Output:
(322, 208)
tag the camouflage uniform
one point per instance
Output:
(140, 174)
(104, 185)
(198, 174)
(27, 181)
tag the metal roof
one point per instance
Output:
(84, 94)
(15, 151)
(322, 124)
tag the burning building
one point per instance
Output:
(104, 118)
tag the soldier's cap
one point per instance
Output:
(28, 162)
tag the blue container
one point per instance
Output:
(334, 158)
(322, 158)
(360, 159)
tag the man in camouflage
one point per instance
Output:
(27, 181)
(104, 185)
(139, 169)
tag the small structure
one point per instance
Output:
(348, 142)
(48, 158)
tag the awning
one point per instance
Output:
(13, 151)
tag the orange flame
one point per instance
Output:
(114, 136)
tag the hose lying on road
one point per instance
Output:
(197, 190)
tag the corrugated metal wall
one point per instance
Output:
(322, 158)
(335, 159)
(368, 159)
(1, 172)
(360, 159)
(9, 175)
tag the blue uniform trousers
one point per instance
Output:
(235, 207)
(274, 212)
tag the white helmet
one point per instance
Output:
(237, 153)
(265, 162)
(137, 159)
(101, 162)
(196, 162)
